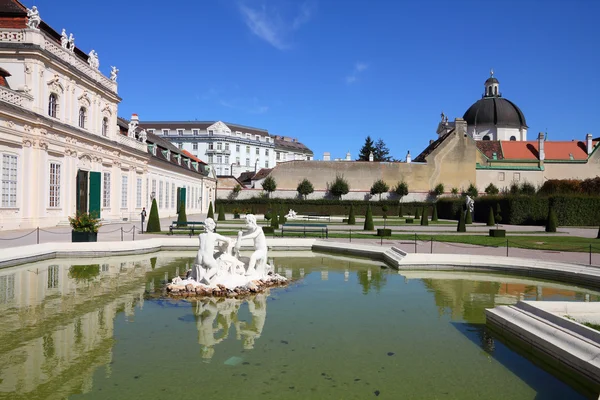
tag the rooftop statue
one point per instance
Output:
(64, 39)
(93, 59)
(71, 43)
(34, 19)
(113, 73)
(133, 124)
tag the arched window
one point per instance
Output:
(496, 90)
(513, 139)
(104, 126)
(52, 105)
(82, 117)
(490, 91)
(486, 137)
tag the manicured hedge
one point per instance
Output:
(323, 206)
(574, 210)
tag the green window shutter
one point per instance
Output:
(182, 193)
(94, 194)
(178, 199)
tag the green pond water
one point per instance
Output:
(344, 329)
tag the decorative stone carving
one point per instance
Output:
(64, 39)
(28, 69)
(142, 136)
(33, 15)
(93, 59)
(9, 123)
(219, 127)
(84, 100)
(113, 73)
(27, 128)
(71, 43)
(106, 111)
(133, 125)
(55, 85)
(27, 142)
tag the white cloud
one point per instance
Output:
(247, 105)
(359, 67)
(270, 26)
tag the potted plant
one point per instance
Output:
(236, 213)
(85, 227)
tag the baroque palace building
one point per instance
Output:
(62, 147)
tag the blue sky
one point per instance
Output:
(331, 72)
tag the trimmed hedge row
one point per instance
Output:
(323, 206)
(575, 210)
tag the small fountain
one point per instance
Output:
(225, 272)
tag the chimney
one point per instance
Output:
(588, 143)
(371, 156)
(134, 117)
(408, 157)
(348, 156)
(460, 126)
(541, 141)
(327, 156)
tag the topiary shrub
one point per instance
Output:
(369, 225)
(351, 217)
(491, 221)
(424, 217)
(282, 213)
(211, 213)
(153, 219)
(434, 217)
(417, 214)
(181, 215)
(409, 220)
(551, 221)
(462, 227)
(268, 230)
(468, 217)
(221, 216)
(498, 216)
(400, 211)
(384, 232)
(491, 190)
(274, 219)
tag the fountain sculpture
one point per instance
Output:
(225, 272)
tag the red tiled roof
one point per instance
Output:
(262, 174)
(489, 147)
(193, 157)
(528, 150)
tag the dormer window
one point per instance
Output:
(211, 132)
(82, 117)
(180, 132)
(165, 132)
(52, 105)
(168, 155)
(257, 137)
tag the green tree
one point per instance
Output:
(379, 187)
(381, 152)
(211, 213)
(434, 217)
(417, 213)
(401, 189)
(461, 222)
(551, 221)
(305, 188)
(491, 221)
(153, 219)
(472, 191)
(491, 189)
(400, 211)
(424, 217)
(339, 187)
(438, 190)
(369, 225)
(221, 216)
(269, 185)
(181, 215)
(468, 217)
(282, 213)
(454, 191)
(351, 217)
(274, 219)
(498, 216)
(366, 150)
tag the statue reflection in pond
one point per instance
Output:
(214, 317)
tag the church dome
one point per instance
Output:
(493, 109)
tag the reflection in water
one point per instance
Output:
(215, 316)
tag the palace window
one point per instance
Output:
(486, 137)
(53, 276)
(210, 159)
(106, 190)
(54, 200)
(160, 194)
(104, 126)
(211, 132)
(226, 159)
(52, 105)
(267, 152)
(237, 148)
(226, 146)
(82, 117)
(180, 145)
(219, 160)
(237, 160)
(138, 194)
(219, 146)
(513, 139)
(257, 151)
(195, 146)
(9, 180)
(266, 163)
(247, 149)
(257, 137)
(165, 132)
(172, 195)
(180, 132)
(195, 132)
(211, 146)
(166, 194)
(247, 162)
(277, 155)
(124, 191)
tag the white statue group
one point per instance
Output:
(226, 267)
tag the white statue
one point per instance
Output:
(470, 204)
(34, 19)
(143, 136)
(93, 59)
(258, 259)
(133, 125)
(291, 214)
(64, 39)
(71, 43)
(113, 73)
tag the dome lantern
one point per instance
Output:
(492, 86)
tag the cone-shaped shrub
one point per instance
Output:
(351, 217)
(181, 215)
(551, 221)
(434, 217)
(468, 217)
(491, 220)
(400, 211)
(274, 219)
(369, 225)
(462, 227)
(211, 213)
(424, 217)
(282, 213)
(153, 220)
(417, 213)
(221, 216)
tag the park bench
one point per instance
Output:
(303, 228)
(190, 226)
(317, 216)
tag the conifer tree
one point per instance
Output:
(400, 211)
(491, 221)
(417, 213)
(461, 222)
(468, 217)
(221, 216)
(274, 219)
(434, 217)
(424, 217)
(551, 221)
(282, 213)
(369, 225)
(351, 217)
(211, 213)
(181, 215)
(153, 219)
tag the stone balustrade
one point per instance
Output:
(12, 97)
(131, 142)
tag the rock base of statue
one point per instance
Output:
(191, 288)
